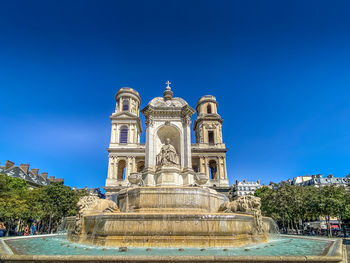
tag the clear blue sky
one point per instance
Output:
(280, 71)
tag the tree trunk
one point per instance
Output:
(328, 226)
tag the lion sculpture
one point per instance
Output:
(246, 204)
(92, 204)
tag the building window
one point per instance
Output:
(211, 137)
(125, 105)
(209, 108)
(123, 134)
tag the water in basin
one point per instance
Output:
(278, 246)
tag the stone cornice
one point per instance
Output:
(168, 111)
(127, 117)
(196, 149)
(126, 150)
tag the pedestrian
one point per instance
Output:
(2, 229)
(33, 229)
(26, 231)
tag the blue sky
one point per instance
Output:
(280, 71)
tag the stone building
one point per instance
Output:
(168, 131)
(318, 180)
(32, 176)
(245, 188)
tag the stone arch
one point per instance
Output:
(213, 169)
(173, 133)
(121, 170)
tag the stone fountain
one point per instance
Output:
(167, 210)
(167, 204)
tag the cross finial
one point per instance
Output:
(168, 84)
(167, 94)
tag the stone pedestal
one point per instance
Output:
(188, 176)
(168, 176)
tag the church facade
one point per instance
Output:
(168, 158)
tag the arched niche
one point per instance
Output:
(171, 132)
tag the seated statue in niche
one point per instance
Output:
(167, 155)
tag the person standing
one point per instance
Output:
(2, 230)
(33, 229)
(26, 231)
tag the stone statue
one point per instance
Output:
(167, 155)
(92, 204)
(247, 204)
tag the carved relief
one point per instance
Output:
(247, 204)
(211, 125)
(186, 121)
(220, 134)
(201, 135)
(92, 204)
(149, 121)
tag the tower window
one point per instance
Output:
(209, 108)
(125, 105)
(211, 137)
(123, 134)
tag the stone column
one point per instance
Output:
(218, 168)
(202, 164)
(134, 169)
(110, 168)
(135, 133)
(127, 168)
(206, 167)
(114, 133)
(131, 134)
(186, 122)
(148, 177)
(225, 168)
(115, 168)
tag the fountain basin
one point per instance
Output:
(170, 199)
(168, 230)
(56, 248)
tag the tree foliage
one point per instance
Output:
(289, 205)
(47, 205)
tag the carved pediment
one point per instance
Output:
(123, 114)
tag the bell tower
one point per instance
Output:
(124, 148)
(209, 152)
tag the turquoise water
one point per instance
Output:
(59, 245)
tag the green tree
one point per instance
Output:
(56, 201)
(331, 203)
(13, 199)
(48, 204)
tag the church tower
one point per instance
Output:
(209, 152)
(125, 151)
